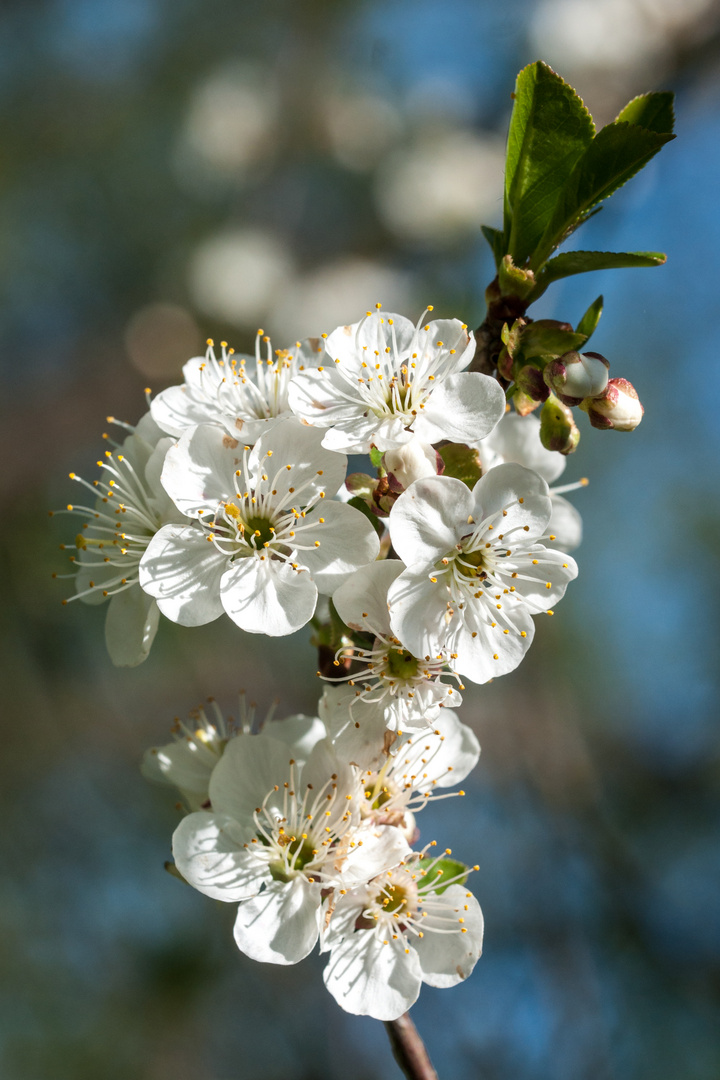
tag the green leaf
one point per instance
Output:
(363, 507)
(614, 156)
(652, 111)
(443, 871)
(550, 129)
(582, 262)
(376, 456)
(588, 324)
(496, 240)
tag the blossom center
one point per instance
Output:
(259, 531)
(401, 664)
(471, 564)
(298, 851)
(396, 897)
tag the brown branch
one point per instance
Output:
(409, 1049)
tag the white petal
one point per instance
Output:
(357, 729)
(463, 408)
(484, 652)
(418, 612)
(447, 959)
(543, 584)
(377, 848)
(147, 430)
(521, 493)
(390, 432)
(346, 540)
(183, 571)
(517, 438)
(353, 436)
(210, 853)
(362, 601)
(153, 472)
(176, 409)
(441, 336)
(429, 519)
(321, 397)
(317, 774)
(180, 765)
(372, 975)
(350, 343)
(565, 524)
(313, 468)
(199, 472)
(299, 733)
(130, 626)
(250, 767)
(266, 596)
(441, 756)
(281, 925)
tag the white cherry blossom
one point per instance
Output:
(385, 381)
(277, 836)
(401, 779)
(268, 538)
(517, 439)
(241, 394)
(408, 689)
(129, 506)
(186, 763)
(480, 569)
(388, 937)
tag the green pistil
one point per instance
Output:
(258, 531)
(393, 898)
(401, 664)
(300, 852)
(476, 567)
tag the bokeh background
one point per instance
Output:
(171, 169)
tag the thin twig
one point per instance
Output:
(409, 1049)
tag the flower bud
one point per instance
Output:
(414, 460)
(619, 407)
(575, 376)
(530, 381)
(558, 430)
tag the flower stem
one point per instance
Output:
(409, 1049)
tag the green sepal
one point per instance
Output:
(442, 873)
(360, 504)
(550, 129)
(583, 262)
(174, 872)
(461, 462)
(513, 280)
(548, 337)
(588, 324)
(376, 457)
(652, 111)
(361, 485)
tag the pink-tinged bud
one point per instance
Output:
(414, 460)
(619, 407)
(576, 376)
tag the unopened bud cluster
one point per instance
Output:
(542, 366)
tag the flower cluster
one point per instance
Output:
(231, 499)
